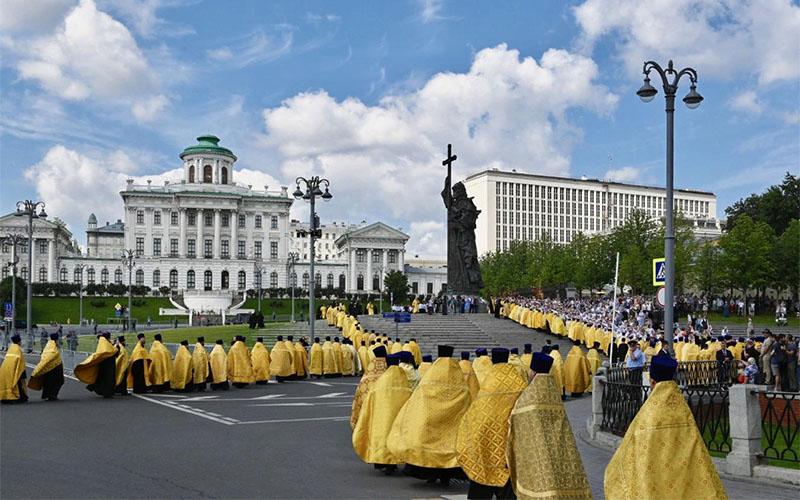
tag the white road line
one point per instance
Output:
(222, 400)
(323, 384)
(200, 398)
(332, 395)
(285, 404)
(269, 396)
(186, 410)
(289, 420)
(167, 395)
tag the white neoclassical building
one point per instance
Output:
(52, 241)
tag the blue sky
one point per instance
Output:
(368, 94)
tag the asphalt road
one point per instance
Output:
(287, 440)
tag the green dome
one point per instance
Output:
(208, 144)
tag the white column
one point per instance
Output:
(368, 278)
(51, 260)
(166, 224)
(233, 245)
(265, 240)
(216, 179)
(352, 284)
(385, 263)
(401, 254)
(198, 244)
(182, 240)
(130, 223)
(248, 224)
(216, 232)
(148, 227)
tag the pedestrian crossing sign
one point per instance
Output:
(659, 272)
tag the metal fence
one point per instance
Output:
(689, 374)
(71, 359)
(780, 425)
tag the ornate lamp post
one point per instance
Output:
(127, 261)
(647, 92)
(258, 269)
(292, 260)
(28, 209)
(15, 239)
(381, 284)
(312, 190)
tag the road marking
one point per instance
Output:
(323, 384)
(269, 396)
(289, 420)
(200, 398)
(186, 409)
(277, 396)
(332, 395)
(168, 396)
(285, 404)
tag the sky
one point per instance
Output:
(369, 94)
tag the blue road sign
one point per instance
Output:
(118, 313)
(388, 315)
(659, 272)
(9, 309)
(402, 317)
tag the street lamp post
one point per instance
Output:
(28, 208)
(15, 239)
(258, 270)
(80, 268)
(693, 99)
(312, 190)
(381, 270)
(293, 258)
(127, 261)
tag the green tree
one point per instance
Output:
(396, 283)
(706, 270)
(20, 296)
(596, 267)
(777, 206)
(685, 250)
(633, 240)
(747, 255)
(787, 259)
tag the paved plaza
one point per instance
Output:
(287, 440)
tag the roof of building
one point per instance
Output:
(425, 270)
(375, 226)
(92, 219)
(208, 144)
(573, 179)
(115, 228)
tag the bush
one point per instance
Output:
(98, 303)
(139, 303)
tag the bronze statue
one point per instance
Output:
(463, 269)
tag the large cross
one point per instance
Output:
(449, 163)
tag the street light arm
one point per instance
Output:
(669, 87)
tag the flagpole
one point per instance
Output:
(614, 314)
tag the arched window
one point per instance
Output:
(242, 280)
(191, 173)
(118, 276)
(329, 283)
(189, 279)
(173, 279)
(156, 278)
(224, 277)
(208, 281)
(77, 275)
(104, 277)
(43, 274)
(273, 279)
(360, 282)
(342, 281)
(317, 281)
(139, 277)
(207, 175)
(305, 280)
(64, 274)
(376, 282)
(224, 175)
(24, 273)
(90, 276)
(5, 272)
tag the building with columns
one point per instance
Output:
(52, 241)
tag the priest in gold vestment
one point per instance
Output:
(469, 374)
(161, 366)
(121, 363)
(218, 362)
(424, 433)
(139, 372)
(240, 369)
(542, 455)
(99, 369)
(483, 431)
(281, 361)
(182, 371)
(557, 371)
(200, 368)
(259, 358)
(577, 371)
(48, 376)
(12, 374)
(374, 371)
(663, 437)
(315, 366)
(482, 364)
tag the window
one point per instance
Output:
(173, 279)
(414, 287)
(329, 281)
(24, 273)
(242, 221)
(190, 280)
(156, 246)
(376, 256)
(376, 282)
(258, 222)
(430, 288)
(42, 247)
(257, 277)
(191, 173)
(360, 282)
(224, 280)
(240, 249)
(140, 217)
(273, 249)
(305, 279)
(77, 276)
(360, 257)
(293, 279)
(242, 280)
(257, 249)
(156, 278)
(118, 276)
(207, 248)
(90, 276)
(139, 277)
(192, 219)
(104, 277)
(22, 247)
(173, 218)
(173, 247)
(6, 246)
(191, 247)
(208, 219)
(5, 272)
(342, 281)
(273, 279)
(224, 175)
(226, 253)
(139, 246)
(273, 222)
(207, 174)
(63, 275)
(226, 220)
(157, 217)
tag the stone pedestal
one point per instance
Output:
(745, 421)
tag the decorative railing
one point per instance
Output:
(780, 426)
(689, 374)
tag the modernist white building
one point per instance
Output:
(520, 206)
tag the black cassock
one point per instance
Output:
(106, 378)
(52, 382)
(139, 381)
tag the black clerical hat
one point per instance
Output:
(336, 339)
(157, 336)
(259, 339)
(54, 336)
(290, 338)
(392, 360)
(514, 350)
(379, 352)
(16, 339)
(527, 348)
(328, 337)
(499, 355)
(397, 339)
(140, 336)
(219, 341)
(280, 338)
(428, 358)
(554, 347)
(662, 368)
(121, 338)
(481, 351)
(576, 342)
(316, 339)
(541, 362)
(184, 342)
(107, 335)
(596, 345)
(445, 351)
(201, 339)
(465, 355)
(406, 357)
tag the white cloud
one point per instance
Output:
(384, 161)
(32, 17)
(255, 48)
(430, 10)
(148, 109)
(426, 237)
(624, 174)
(719, 38)
(142, 17)
(747, 102)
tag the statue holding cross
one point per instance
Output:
(463, 269)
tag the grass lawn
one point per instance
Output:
(764, 319)
(780, 445)
(60, 309)
(174, 336)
